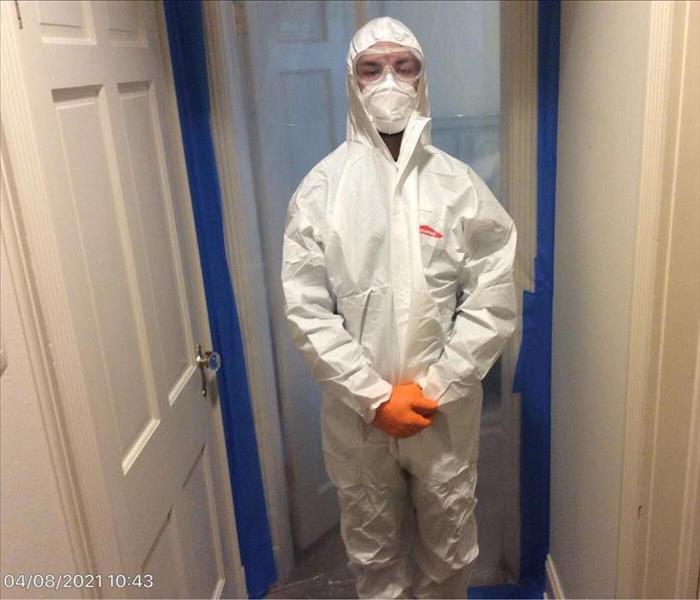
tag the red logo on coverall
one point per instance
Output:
(428, 230)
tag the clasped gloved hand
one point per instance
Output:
(406, 413)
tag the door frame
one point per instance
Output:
(44, 306)
(661, 171)
(44, 380)
(664, 187)
(518, 145)
(519, 131)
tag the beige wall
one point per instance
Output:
(33, 531)
(625, 400)
(603, 74)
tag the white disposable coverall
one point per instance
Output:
(395, 272)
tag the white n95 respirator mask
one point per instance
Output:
(390, 103)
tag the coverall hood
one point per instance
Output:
(359, 124)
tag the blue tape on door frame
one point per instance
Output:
(533, 372)
(186, 35)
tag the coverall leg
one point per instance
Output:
(381, 481)
(374, 501)
(442, 461)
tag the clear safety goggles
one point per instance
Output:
(372, 64)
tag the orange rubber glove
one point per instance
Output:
(406, 413)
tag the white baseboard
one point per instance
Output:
(553, 587)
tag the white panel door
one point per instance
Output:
(296, 76)
(100, 106)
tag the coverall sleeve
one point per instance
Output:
(485, 316)
(336, 360)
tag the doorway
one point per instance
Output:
(283, 100)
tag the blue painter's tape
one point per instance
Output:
(506, 591)
(186, 36)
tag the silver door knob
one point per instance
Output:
(207, 360)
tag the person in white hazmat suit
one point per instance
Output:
(397, 272)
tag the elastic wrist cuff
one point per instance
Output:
(371, 411)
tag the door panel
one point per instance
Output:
(64, 22)
(203, 551)
(166, 552)
(151, 214)
(96, 79)
(125, 23)
(96, 234)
